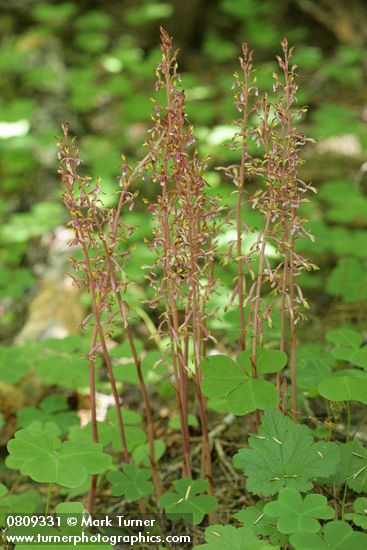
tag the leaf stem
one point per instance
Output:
(48, 499)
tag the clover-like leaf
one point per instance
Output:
(53, 408)
(227, 537)
(296, 514)
(225, 378)
(66, 370)
(25, 502)
(344, 388)
(348, 348)
(221, 375)
(66, 509)
(45, 459)
(86, 433)
(132, 482)
(15, 363)
(337, 535)
(187, 502)
(345, 337)
(348, 280)
(357, 357)
(283, 454)
(140, 455)
(255, 518)
(267, 360)
(359, 516)
(60, 362)
(174, 422)
(135, 436)
(311, 372)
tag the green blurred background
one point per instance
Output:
(92, 64)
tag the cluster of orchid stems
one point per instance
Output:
(270, 146)
(100, 236)
(185, 241)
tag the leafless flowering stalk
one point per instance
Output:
(278, 199)
(184, 239)
(289, 223)
(100, 234)
(246, 104)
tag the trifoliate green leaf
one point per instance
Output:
(337, 535)
(86, 433)
(344, 388)
(187, 502)
(45, 459)
(311, 372)
(135, 436)
(174, 422)
(296, 514)
(14, 363)
(344, 337)
(355, 356)
(267, 360)
(227, 537)
(53, 408)
(26, 502)
(359, 516)
(132, 482)
(66, 370)
(283, 454)
(225, 378)
(349, 281)
(140, 455)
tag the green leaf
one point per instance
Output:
(356, 474)
(135, 436)
(296, 514)
(283, 454)
(357, 357)
(338, 535)
(174, 422)
(221, 375)
(344, 388)
(225, 378)
(148, 12)
(347, 201)
(14, 363)
(345, 337)
(187, 502)
(132, 482)
(70, 508)
(227, 537)
(268, 361)
(251, 395)
(351, 469)
(46, 460)
(26, 502)
(359, 516)
(54, 409)
(65, 370)
(66, 509)
(86, 433)
(311, 372)
(140, 454)
(254, 518)
(349, 281)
